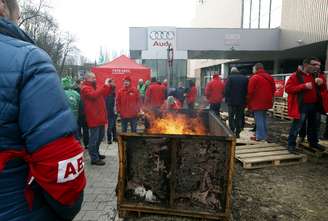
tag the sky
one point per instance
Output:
(105, 23)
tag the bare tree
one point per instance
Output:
(30, 11)
(44, 30)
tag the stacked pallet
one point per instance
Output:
(262, 155)
(280, 108)
(254, 154)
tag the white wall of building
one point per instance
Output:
(303, 23)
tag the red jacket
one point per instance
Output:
(128, 102)
(214, 90)
(261, 88)
(94, 104)
(155, 95)
(191, 95)
(294, 87)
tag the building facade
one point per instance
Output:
(303, 32)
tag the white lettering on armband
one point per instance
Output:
(70, 169)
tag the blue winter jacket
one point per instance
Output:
(33, 112)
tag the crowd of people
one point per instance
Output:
(96, 107)
(100, 106)
(41, 159)
(307, 101)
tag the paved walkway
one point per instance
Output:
(99, 198)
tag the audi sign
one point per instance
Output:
(160, 39)
(162, 35)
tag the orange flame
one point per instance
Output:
(174, 123)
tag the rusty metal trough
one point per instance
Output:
(177, 175)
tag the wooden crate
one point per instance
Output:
(265, 155)
(174, 202)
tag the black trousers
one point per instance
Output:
(215, 108)
(236, 118)
(83, 131)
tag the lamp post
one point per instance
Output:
(170, 57)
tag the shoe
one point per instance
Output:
(109, 142)
(237, 135)
(98, 163)
(102, 156)
(300, 140)
(254, 139)
(292, 150)
(318, 147)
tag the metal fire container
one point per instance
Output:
(177, 175)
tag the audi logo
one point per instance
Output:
(162, 35)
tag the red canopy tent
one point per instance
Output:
(118, 69)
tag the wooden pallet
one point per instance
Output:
(280, 108)
(266, 155)
(314, 151)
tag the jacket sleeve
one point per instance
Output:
(148, 94)
(251, 88)
(324, 84)
(44, 115)
(292, 87)
(138, 101)
(227, 91)
(273, 86)
(118, 102)
(208, 90)
(90, 93)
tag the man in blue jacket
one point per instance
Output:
(41, 163)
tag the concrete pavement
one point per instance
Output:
(99, 199)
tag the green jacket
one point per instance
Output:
(143, 88)
(73, 97)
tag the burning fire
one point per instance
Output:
(174, 123)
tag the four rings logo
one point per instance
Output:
(162, 35)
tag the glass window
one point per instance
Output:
(276, 13)
(255, 14)
(265, 13)
(160, 70)
(246, 13)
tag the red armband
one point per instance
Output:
(57, 167)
